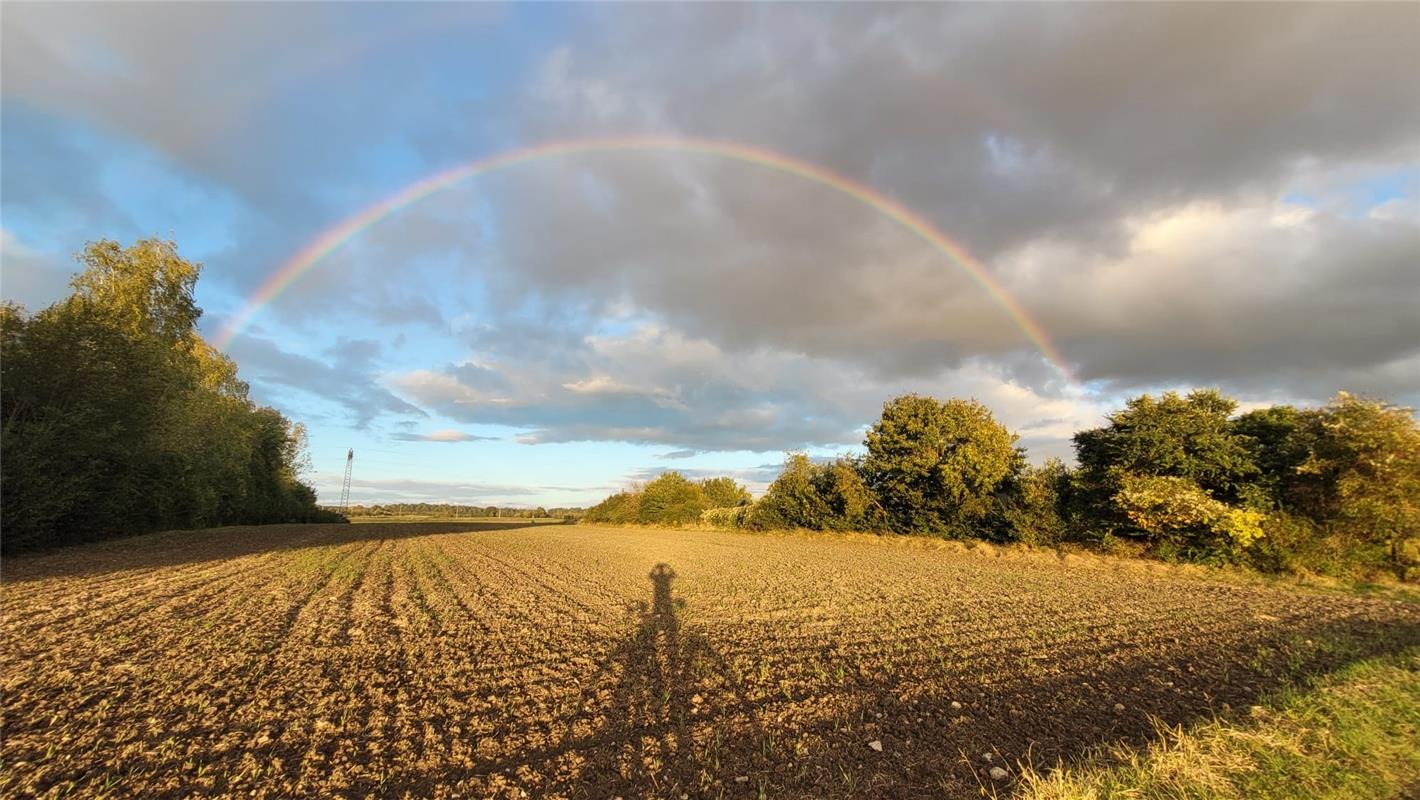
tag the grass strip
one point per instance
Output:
(1353, 735)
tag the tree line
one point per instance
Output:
(454, 510)
(118, 418)
(671, 499)
(1334, 489)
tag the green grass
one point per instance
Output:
(1354, 735)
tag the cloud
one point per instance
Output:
(344, 378)
(28, 276)
(442, 436)
(1253, 297)
(1122, 171)
(1017, 136)
(407, 490)
(651, 385)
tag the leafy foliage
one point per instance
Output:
(119, 419)
(724, 493)
(848, 503)
(793, 500)
(934, 466)
(1335, 489)
(1033, 512)
(1277, 441)
(1361, 476)
(1175, 436)
(671, 500)
(619, 509)
(1171, 507)
(733, 517)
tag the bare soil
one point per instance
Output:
(488, 660)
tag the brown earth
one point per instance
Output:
(438, 660)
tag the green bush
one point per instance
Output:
(1033, 511)
(1334, 490)
(1188, 437)
(793, 500)
(671, 500)
(1180, 517)
(619, 509)
(846, 501)
(724, 493)
(1361, 477)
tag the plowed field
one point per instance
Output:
(564, 661)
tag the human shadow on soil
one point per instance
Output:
(674, 722)
(657, 732)
(177, 548)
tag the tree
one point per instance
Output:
(723, 493)
(793, 500)
(618, 509)
(118, 418)
(671, 500)
(935, 465)
(145, 291)
(1175, 436)
(1033, 511)
(1361, 475)
(848, 504)
(1277, 442)
(1176, 509)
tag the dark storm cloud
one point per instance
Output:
(1008, 122)
(1259, 301)
(1010, 127)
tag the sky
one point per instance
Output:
(1176, 195)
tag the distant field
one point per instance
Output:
(495, 521)
(478, 660)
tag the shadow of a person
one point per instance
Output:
(675, 699)
(674, 720)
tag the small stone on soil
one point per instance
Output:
(876, 745)
(1118, 707)
(956, 706)
(741, 779)
(997, 774)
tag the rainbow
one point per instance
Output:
(333, 238)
